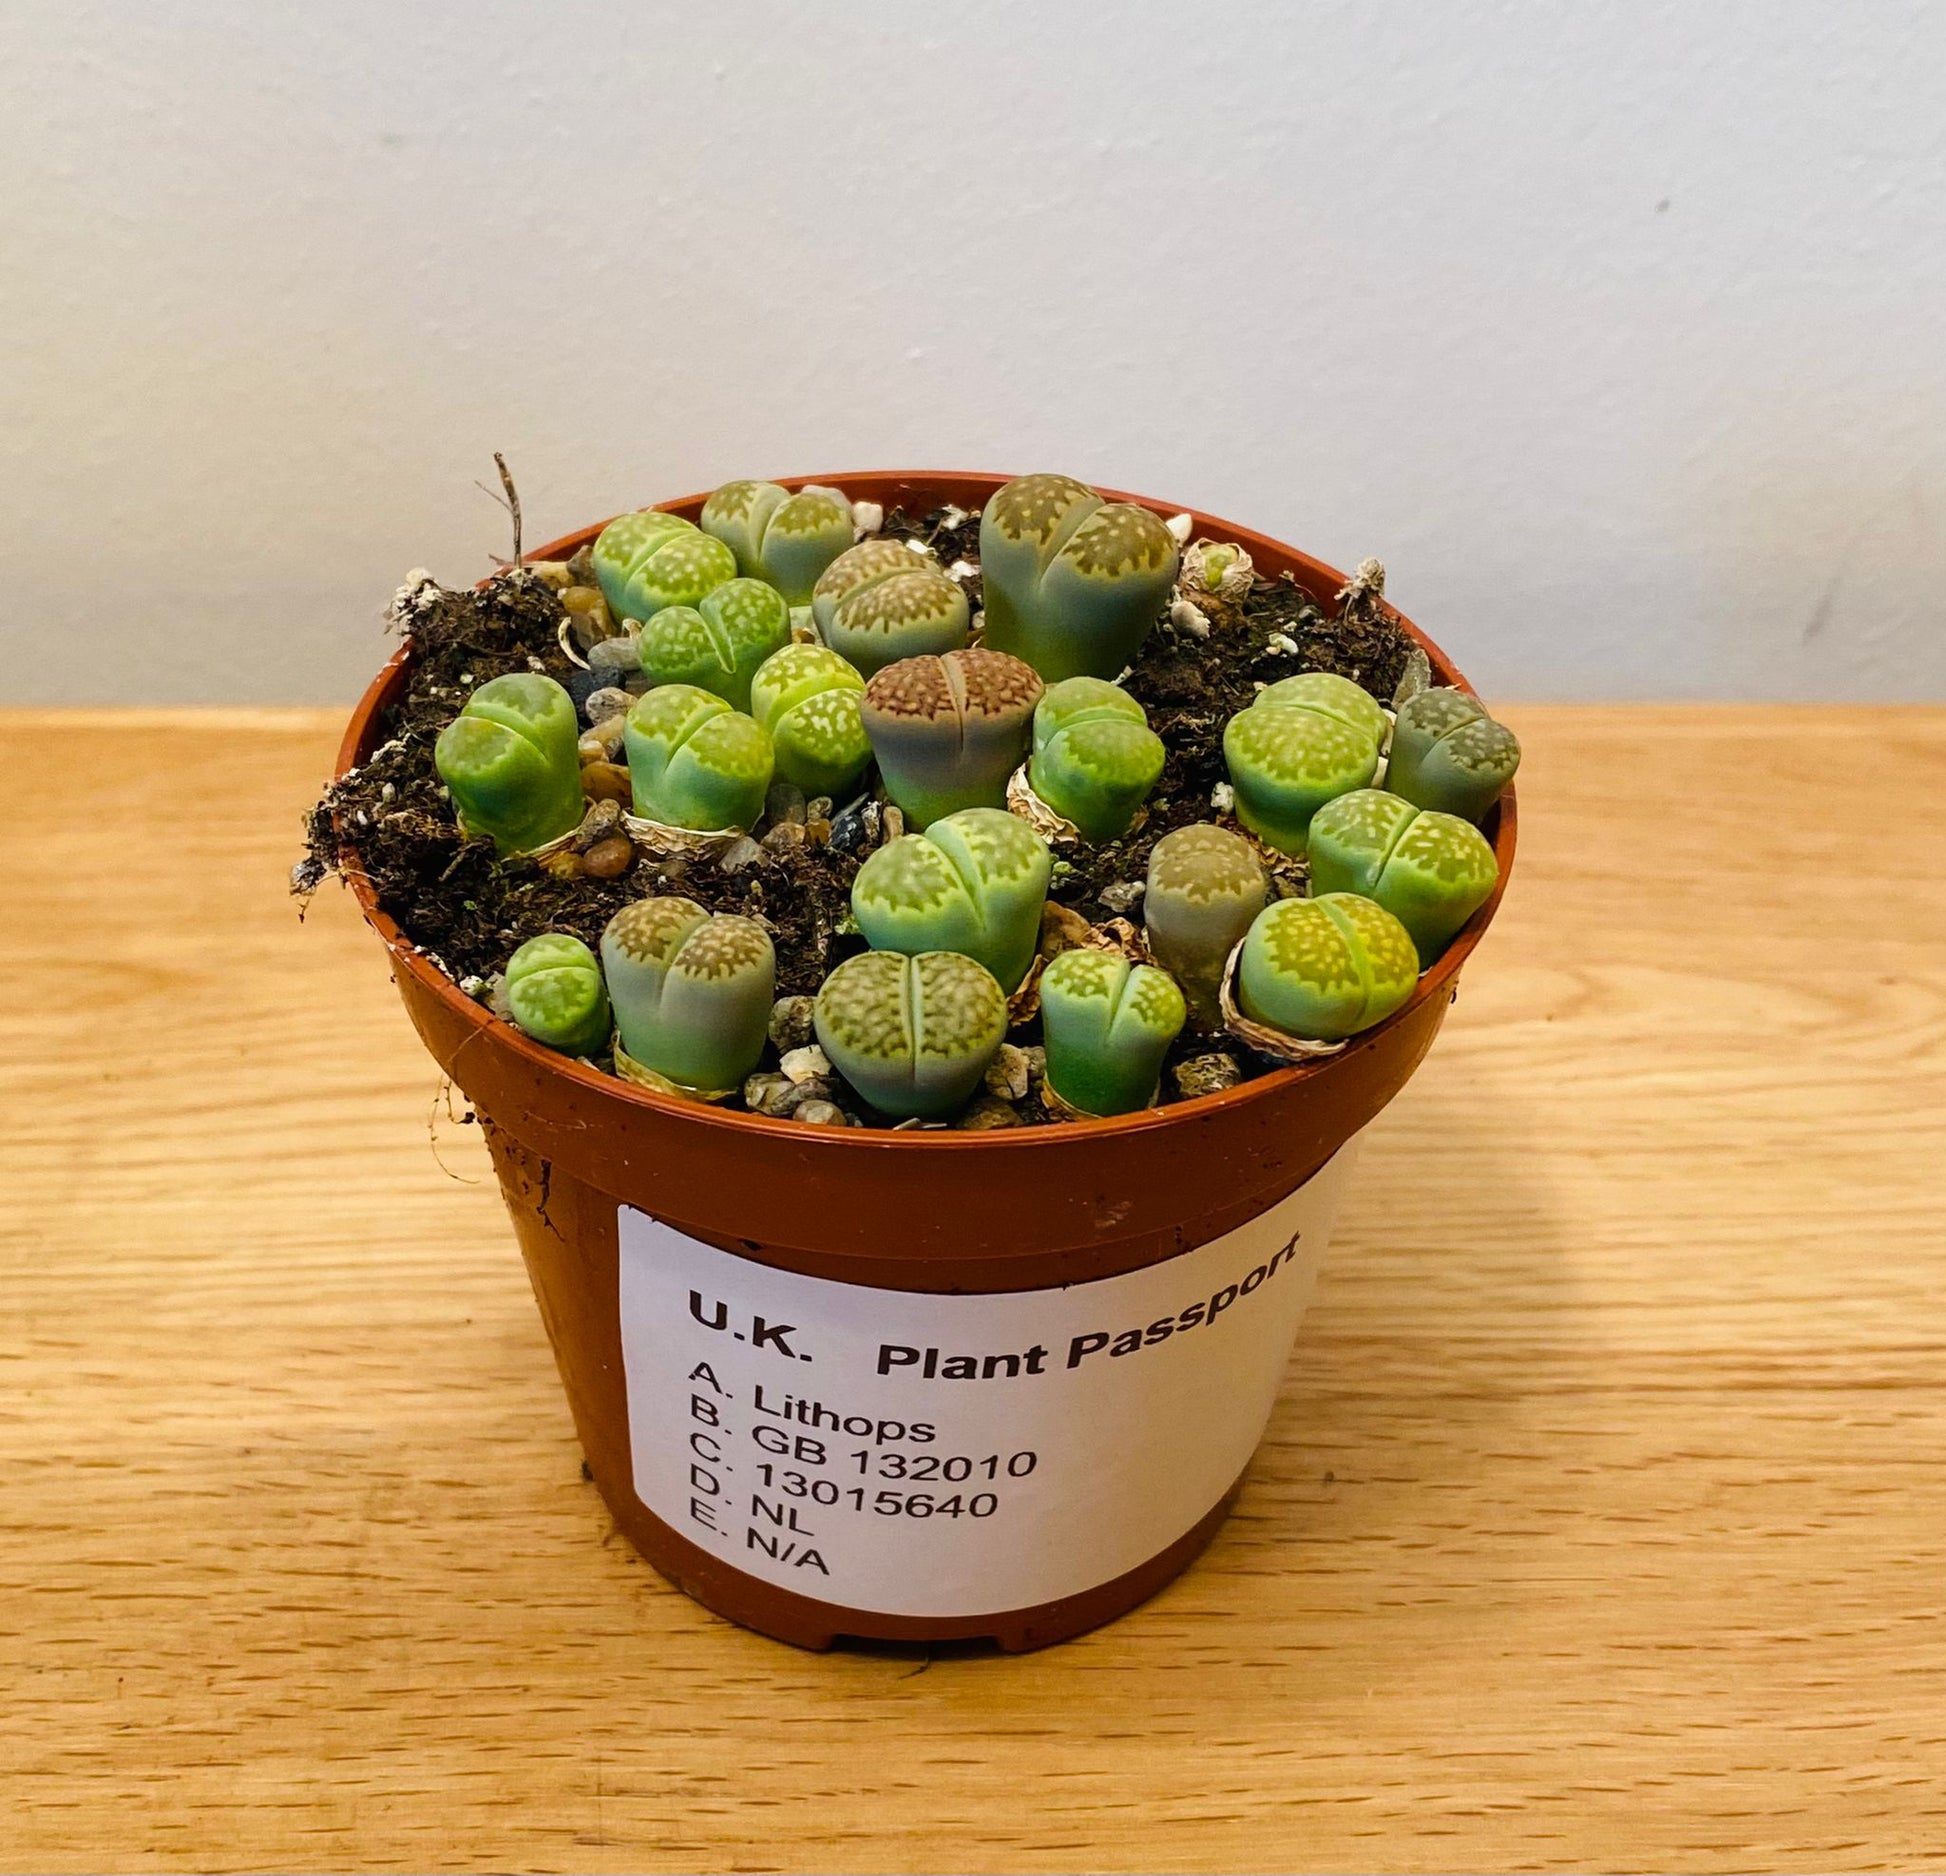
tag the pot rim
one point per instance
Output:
(1313, 574)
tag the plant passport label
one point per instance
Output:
(930, 1455)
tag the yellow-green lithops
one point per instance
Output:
(787, 540)
(1303, 742)
(879, 602)
(1323, 969)
(510, 762)
(1095, 757)
(718, 643)
(554, 991)
(809, 698)
(692, 991)
(1432, 871)
(647, 560)
(913, 1035)
(1448, 754)
(1108, 1025)
(694, 762)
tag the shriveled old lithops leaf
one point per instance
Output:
(642, 1076)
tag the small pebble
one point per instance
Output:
(616, 658)
(791, 1023)
(806, 1063)
(583, 598)
(892, 820)
(856, 827)
(1282, 642)
(1036, 1064)
(606, 781)
(601, 820)
(496, 996)
(761, 1089)
(784, 802)
(563, 865)
(985, 1114)
(609, 701)
(742, 852)
(603, 743)
(1223, 798)
(785, 837)
(1007, 1078)
(610, 858)
(1189, 618)
(817, 833)
(581, 685)
(818, 808)
(1119, 897)
(1206, 1074)
(822, 1114)
(555, 572)
(867, 517)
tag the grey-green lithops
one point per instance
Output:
(1071, 583)
(1095, 757)
(913, 1035)
(808, 698)
(510, 763)
(949, 729)
(649, 559)
(785, 539)
(555, 992)
(694, 762)
(1206, 884)
(692, 991)
(1108, 1025)
(718, 643)
(1303, 742)
(1324, 969)
(973, 882)
(1448, 754)
(879, 602)
(1431, 871)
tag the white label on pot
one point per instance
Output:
(929, 1455)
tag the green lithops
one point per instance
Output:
(694, 762)
(718, 643)
(973, 882)
(913, 1035)
(1448, 754)
(1431, 871)
(1206, 885)
(554, 990)
(879, 602)
(1095, 757)
(692, 991)
(949, 730)
(649, 560)
(509, 761)
(1323, 969)
(808, 698)
(785, 539)
(1305, 740)
(1108, 1024)
(1071, 583)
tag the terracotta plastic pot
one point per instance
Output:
(964, 1222)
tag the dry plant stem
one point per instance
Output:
(511, 503)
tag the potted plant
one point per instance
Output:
(922, 947)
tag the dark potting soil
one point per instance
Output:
(468, 911)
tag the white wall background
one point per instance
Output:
(1618, 331)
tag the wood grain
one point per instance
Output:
(1600, 1525)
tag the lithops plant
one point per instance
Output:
(808, 698)
(973, 882)
(1108, 1025)
(1448, 754)
(1095, 757)
(1323, 969)
(949, 729)
(1071, 583)
(555, 993)
(785, 539)
(880, 602)
(692, 991)
(913, 1035)
(694, 762)
(1206, 885)
(648, 560)
(718, 643)
(510, 761)
(1431, 871)
(1305, 740)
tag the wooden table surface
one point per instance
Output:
(1601, 1524)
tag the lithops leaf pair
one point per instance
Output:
(1306, 740)
(718, 643)
(692, 991)
(1071, 583)
(1095, 757)
(973, 882)
(555, 993)
(808, 698)
(914, 1034)
(1206, 885)
(694, 762)
(879, 602)
(785, 539)
(510, 761)
(1108, 1025)
(649, 560)
(1324, 969)
(949, 729)
(1448, 754)
(1431, 871)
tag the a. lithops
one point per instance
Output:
(948, 729)
(555, 994)
(1323, 969)
(649, 559)
(1108, 1025)
(1304, 741)
(694, 762)
(785, 539)
(809, 699)
(913, 1034)
(1448, 754)
(511, 763)
(692, 991)
(1206, 884)
(1431, 871)
(1071, 583)
(718, 643)
(973, 882)
(1095, 758)
(879, 602)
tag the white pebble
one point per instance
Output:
(1188, 617)
(962, 569)
(1181, 526)
(867, 518)
(951, 517)
(809, 1063)
(920, 548)
(1282, 641)
(1223, 797)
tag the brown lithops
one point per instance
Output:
(949, 729)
